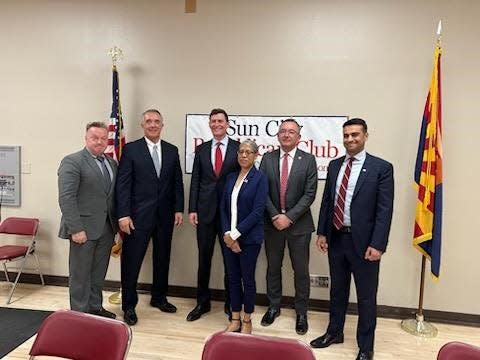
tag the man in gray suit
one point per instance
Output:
(292, 180)
(85, 195)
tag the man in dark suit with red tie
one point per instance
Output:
(214, 160)
(353, 225)
(149, 195)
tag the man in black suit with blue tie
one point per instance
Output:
(149, 196)
(353, 225)
(214, 160)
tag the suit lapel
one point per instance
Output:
(145, 154)
(276, 171)
(336, 165)
(163, 163)
(207, 157)
(230, 156)
(297, 161)
(113, 166)
(367, 165)
(249, 177)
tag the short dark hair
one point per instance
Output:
(218, 111)
(291, 120)
(96, 124)
(356, 121)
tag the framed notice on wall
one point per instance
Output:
(10, 175)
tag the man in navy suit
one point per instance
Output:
(149, 197)
(206, 189)
(353, 225)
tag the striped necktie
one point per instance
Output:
(338, 211)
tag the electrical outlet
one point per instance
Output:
(322, 281)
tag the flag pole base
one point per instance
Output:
(115, 298)
(419, 327)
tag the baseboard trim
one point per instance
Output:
(390, 312)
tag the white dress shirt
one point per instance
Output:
(291, 156)
(223, 149)
(357, 166)
(234, 233)
(150, 145)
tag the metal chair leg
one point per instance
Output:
(6, 272)
(38, 267)
(16, 280)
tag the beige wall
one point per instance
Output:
(358, 58)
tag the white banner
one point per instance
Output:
(321, 136)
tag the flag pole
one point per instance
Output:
(418, 326)
(116, 298)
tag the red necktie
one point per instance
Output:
(218, 160)
(339, 209)
(283, 181)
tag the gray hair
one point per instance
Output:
(251, 144)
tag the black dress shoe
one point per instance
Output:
(301, 326)
(365, 355)
(270, 316)
(327, 340)
(103, 312)
(198, 311)
(130, 317)
(164, 306)
(227, 309)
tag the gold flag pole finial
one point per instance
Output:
(116, 54)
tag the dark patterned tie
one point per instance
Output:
(339, 209)
(106, 175)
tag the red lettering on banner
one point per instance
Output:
(197, 141)
(319, 151)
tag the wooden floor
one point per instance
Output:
(170, 337)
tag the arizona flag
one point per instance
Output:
(116, 137)
(427, 236)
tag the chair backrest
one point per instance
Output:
(80, 336)
(235, 346)
(455, 350)
(19, 226)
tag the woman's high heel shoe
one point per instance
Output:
(246, 326)
(234, 326)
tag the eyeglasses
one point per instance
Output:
(245, 152)
(289, 132)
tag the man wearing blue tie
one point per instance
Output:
(149, 196)
(353, 226)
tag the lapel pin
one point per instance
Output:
(245, 181)
(364, 170)
(299, 158)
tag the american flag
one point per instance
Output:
(116, 137)
(116, 141)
